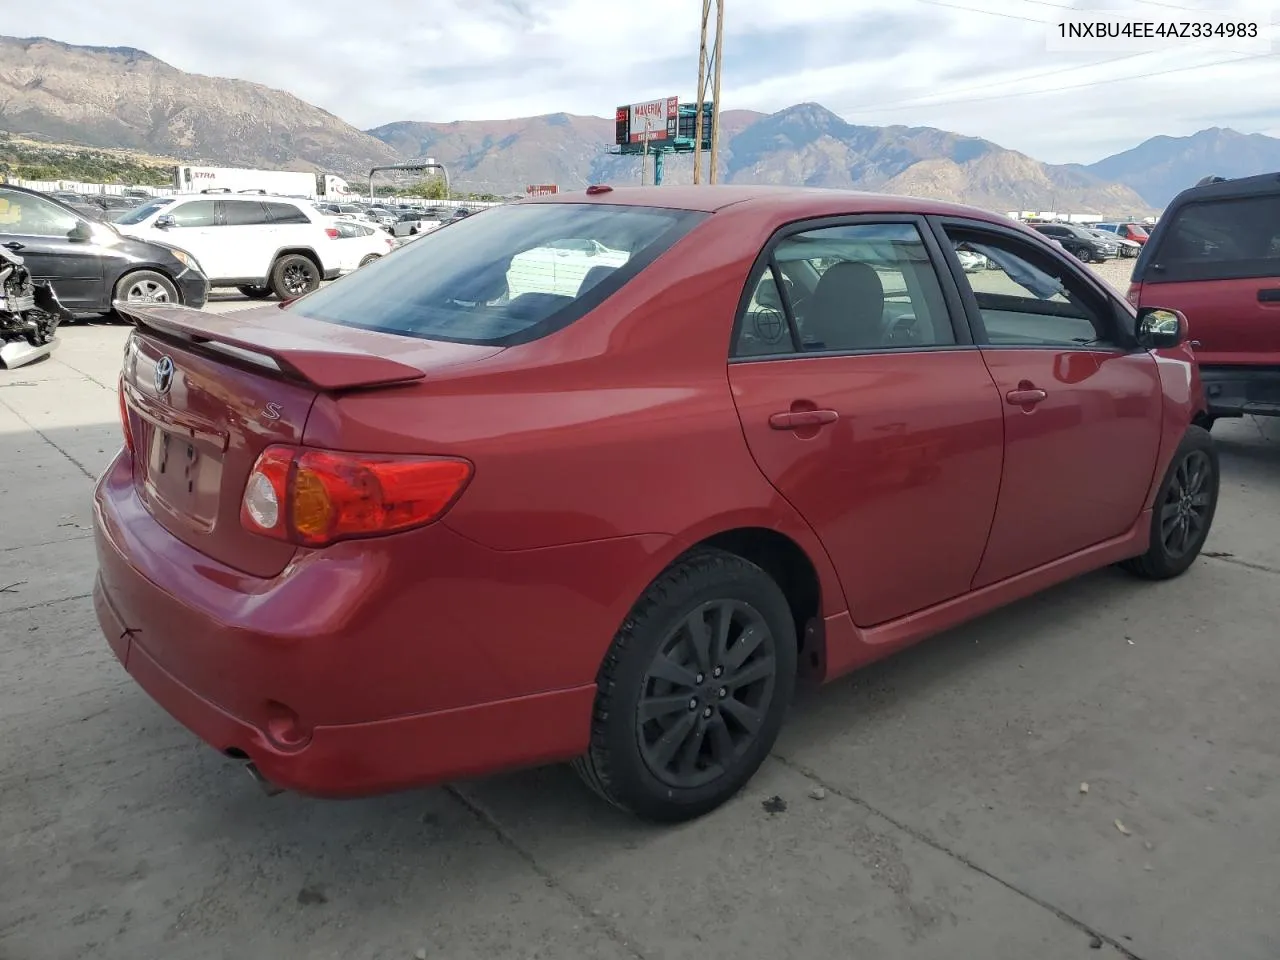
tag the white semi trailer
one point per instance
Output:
(283, 183)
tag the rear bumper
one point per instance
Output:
(1233, 391)
(341, 677)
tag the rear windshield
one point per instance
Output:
(508, 275)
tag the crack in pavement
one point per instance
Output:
(45, 603)
(1232, 558)
(959, 858)
(46, 543)
(487, 819)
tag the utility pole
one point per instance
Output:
(709, 56)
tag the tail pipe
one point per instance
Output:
(269, 788)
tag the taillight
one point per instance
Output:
(332, 232)
(315, 497)
(1134, 294)
(124, 418)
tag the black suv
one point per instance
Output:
(1078, 241)
(88, 262)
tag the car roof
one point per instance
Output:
(804, 202)
(1264, 184)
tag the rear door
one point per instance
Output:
(1218, 261)
(196, 229)
(246, 233)
(864, 402)
(1083, 405)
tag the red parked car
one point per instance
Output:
(1215, 256)
(504, 499)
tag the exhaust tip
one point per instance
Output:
(269, 788)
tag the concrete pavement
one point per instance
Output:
(929, 807)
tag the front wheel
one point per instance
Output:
(146, 286)
(693, 690)
(293, 276)
(1184, 509)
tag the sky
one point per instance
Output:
(977, 67)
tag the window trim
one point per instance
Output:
(1126, 340)
(224, 206)
(764, 260)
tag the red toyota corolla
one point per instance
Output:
(602, 477)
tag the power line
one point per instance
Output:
(989, 13)
(1077, 86)
(1093, 64)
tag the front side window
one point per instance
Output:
(850, 288)
(27, 215)
(505, 277)
(196, 213)
(1027, 297)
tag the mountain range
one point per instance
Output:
(120, 97)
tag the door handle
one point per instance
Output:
(1271, 295)
(793, 419)
(15, 246)
(1025, 396)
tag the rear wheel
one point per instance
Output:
(369, 259)
(294, 275)
(146, 286)
(255, 293)
(693, 691)
(1184, 509)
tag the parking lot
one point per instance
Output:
(1092, 772)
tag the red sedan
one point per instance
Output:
(602, 477)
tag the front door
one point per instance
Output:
(40, 231)
(870, 412)
(1082, 403)
(196, 230)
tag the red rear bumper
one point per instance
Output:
(341, 678)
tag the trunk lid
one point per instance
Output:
(206, 394)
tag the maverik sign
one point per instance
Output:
(655, 119)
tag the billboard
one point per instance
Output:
(541, 190)
(656, 118)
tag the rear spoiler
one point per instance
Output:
(323, 364)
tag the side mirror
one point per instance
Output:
(165, 222)
(81, 232)
(1158, 327)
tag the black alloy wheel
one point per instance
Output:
(693, 690)
(1183, 511)
(293, 276)
(706, 692)
(1187, 505)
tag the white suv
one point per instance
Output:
(259, 244)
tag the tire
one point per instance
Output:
(146, 286)
(1189, 490)
(369, 259)
(256, 293)
(294, 276)
(625, 763)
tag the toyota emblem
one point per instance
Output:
(164, 375)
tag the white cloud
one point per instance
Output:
(914, 62)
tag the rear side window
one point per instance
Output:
(243, 213)
(850, 288)
(1221, 239)
(286, 213)
(509, 275)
